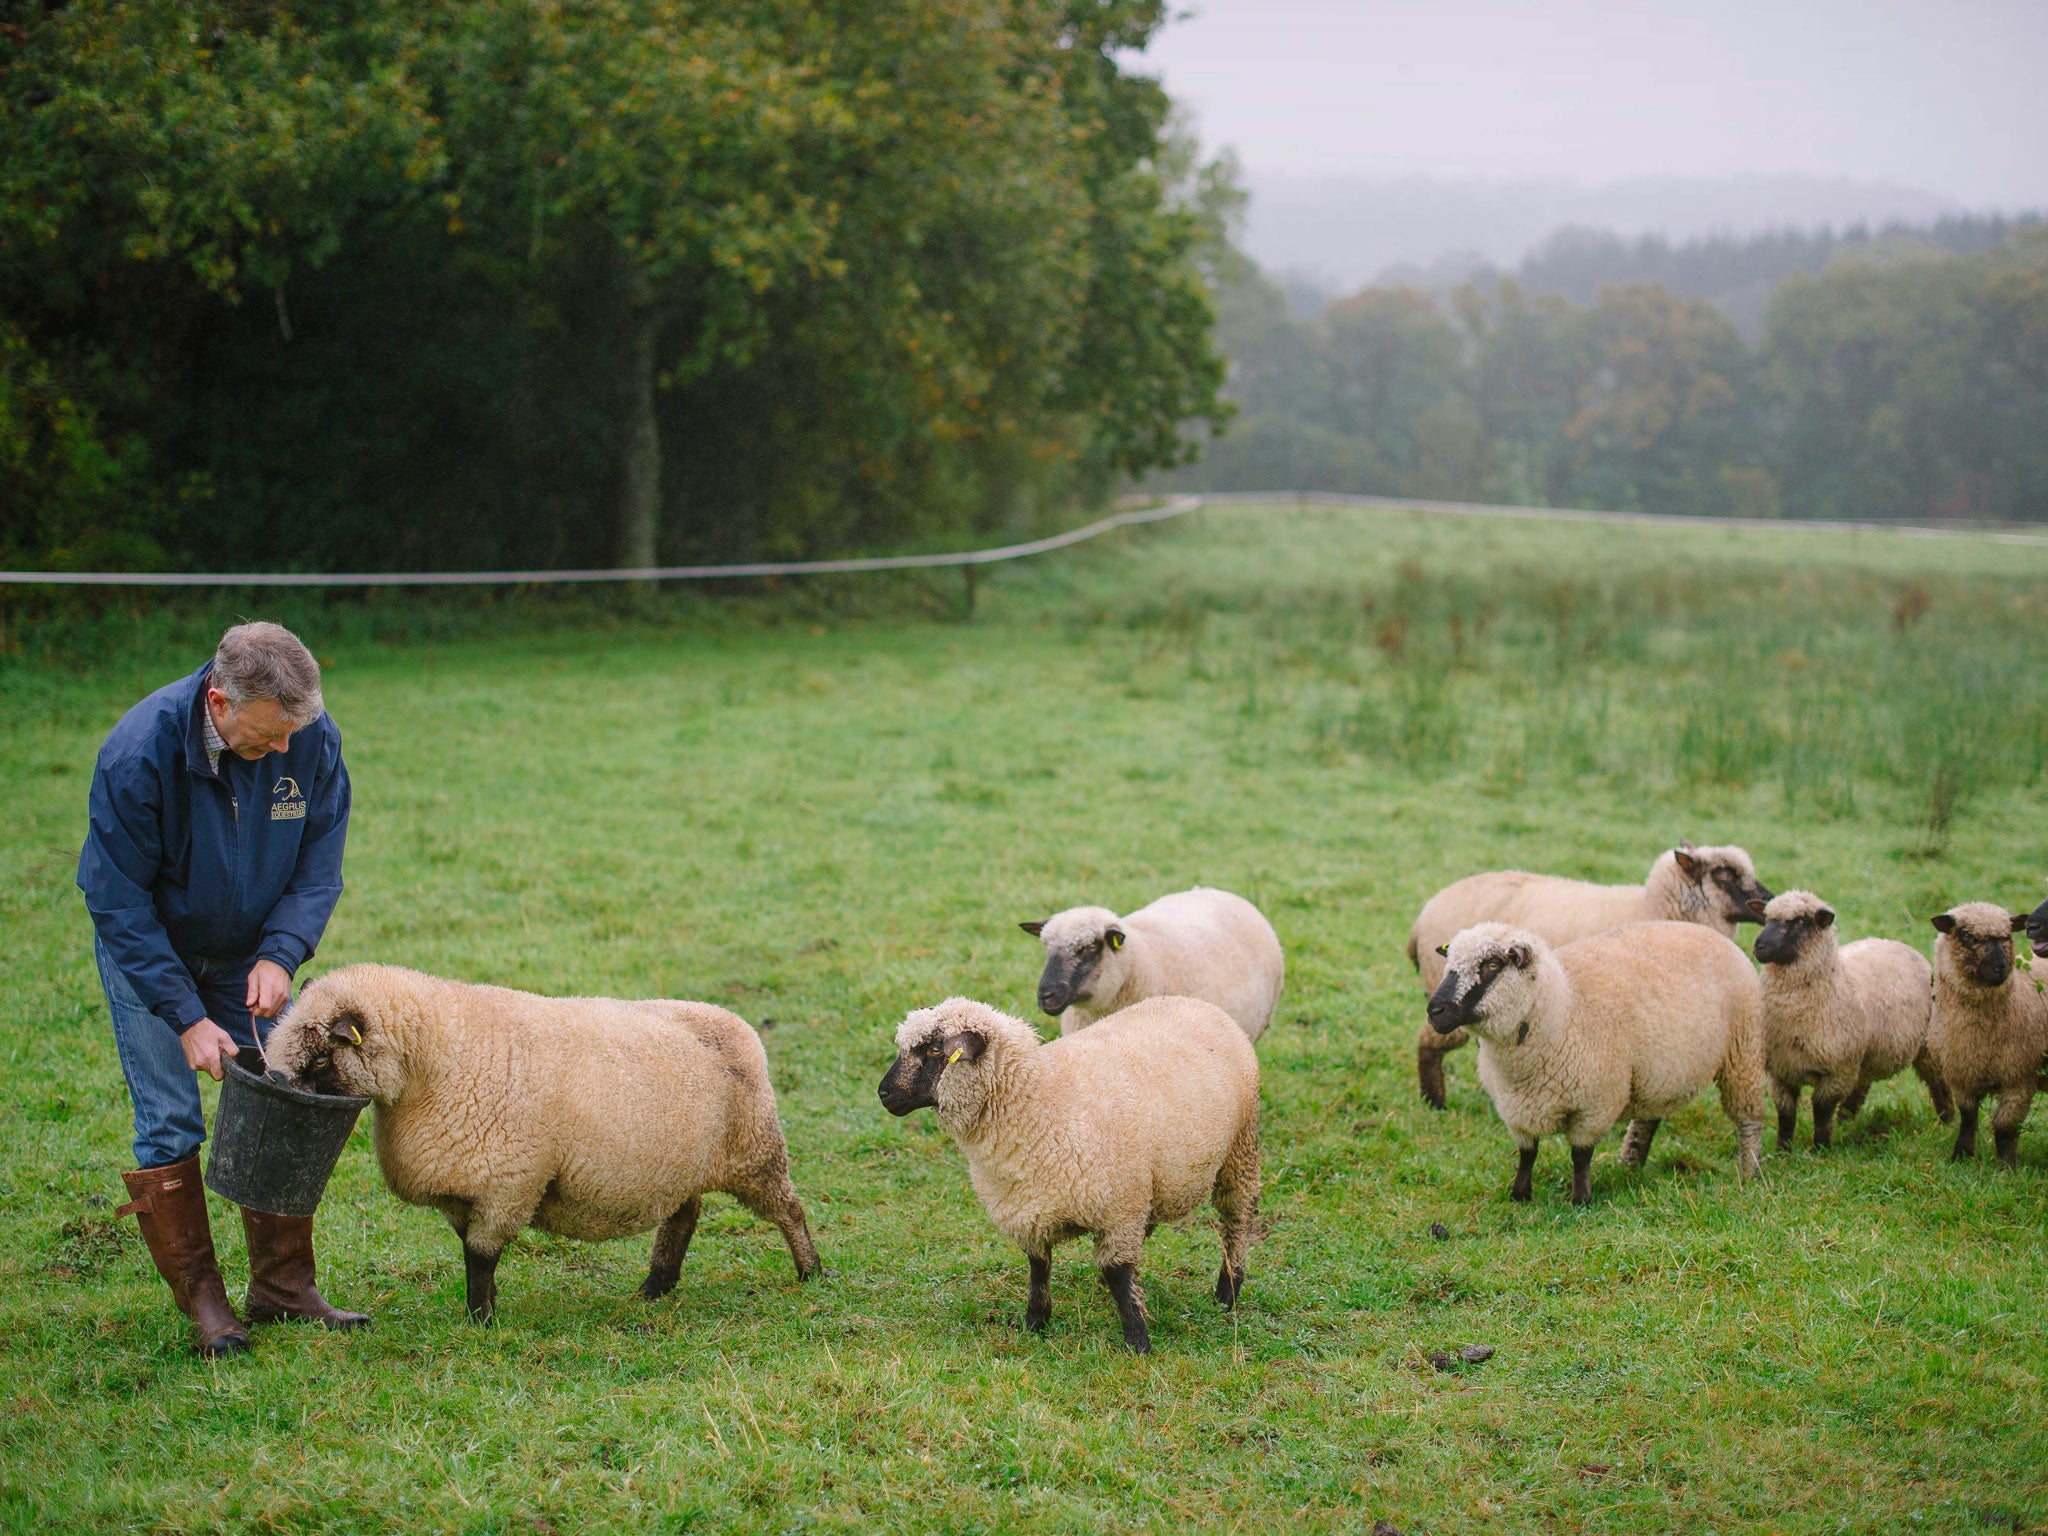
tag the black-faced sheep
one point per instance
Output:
(1632, 1022)
(585, 1116)
(1199, 943)
(1104, 1133)
(1990, 1025)
(1711, 886)
(1839, 1017)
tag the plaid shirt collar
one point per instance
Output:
(210, 736)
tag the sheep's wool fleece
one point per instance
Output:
(1632, 1023)
(1560, 911)
(1105, 1131)
(1843, 1015)
(1988, 1040)
(598, 1116)
(1201, 943)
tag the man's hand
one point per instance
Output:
(270, 988)
(205, 1044)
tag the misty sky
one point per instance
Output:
(1951, 97)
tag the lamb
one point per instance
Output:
(1197, 943)
(1108, 1132)
(1711, 886)
(1839, 1017)
(1634, 1021)
(1990, 1026)
(584, 1116)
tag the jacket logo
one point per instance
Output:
(289, 802)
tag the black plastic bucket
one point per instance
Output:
(274, 1144)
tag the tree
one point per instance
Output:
(1661, 410)
(675, 143)
(1914, 388)
(1530, 360)
(1395, 366)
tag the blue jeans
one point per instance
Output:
(168, 1125)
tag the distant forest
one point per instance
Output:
(1895, 374)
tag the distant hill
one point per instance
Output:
(1342, 232)
(1737, 274)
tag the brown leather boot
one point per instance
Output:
(281, 1273)
(169, 1205)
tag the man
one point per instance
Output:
(211, 864)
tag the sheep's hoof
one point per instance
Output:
(1036, 1321)
(1122, 1280)
(1582, 1175)
(1429, 1076)
(2008, 1143)
(1519, 1193)
(480, 1283)
(1228, 1286)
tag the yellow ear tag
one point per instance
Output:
(1116, 941)
(355, 1034)
(954, 1057)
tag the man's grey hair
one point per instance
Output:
(267, 661)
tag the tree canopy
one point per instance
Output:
(309, 282)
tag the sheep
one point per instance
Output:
(1196, 943)
(585, 1116)
(1634, 1021)
(1839, 1017)
(1990, 1027)
(1712, 886)
(1107, 1132)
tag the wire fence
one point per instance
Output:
(1178, 506)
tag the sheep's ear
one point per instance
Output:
(1824, 918)
(1691, 866)
(1034, 929)
(345, 1029)
(1519, 956)
(1944, 922)
(2019, 922)
(1757, 910)
(965, 1046)
(1115, 936)
(1444, 949)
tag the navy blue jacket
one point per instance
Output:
(240, 863)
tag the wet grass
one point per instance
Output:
(822, 813)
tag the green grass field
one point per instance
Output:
(825, 806)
